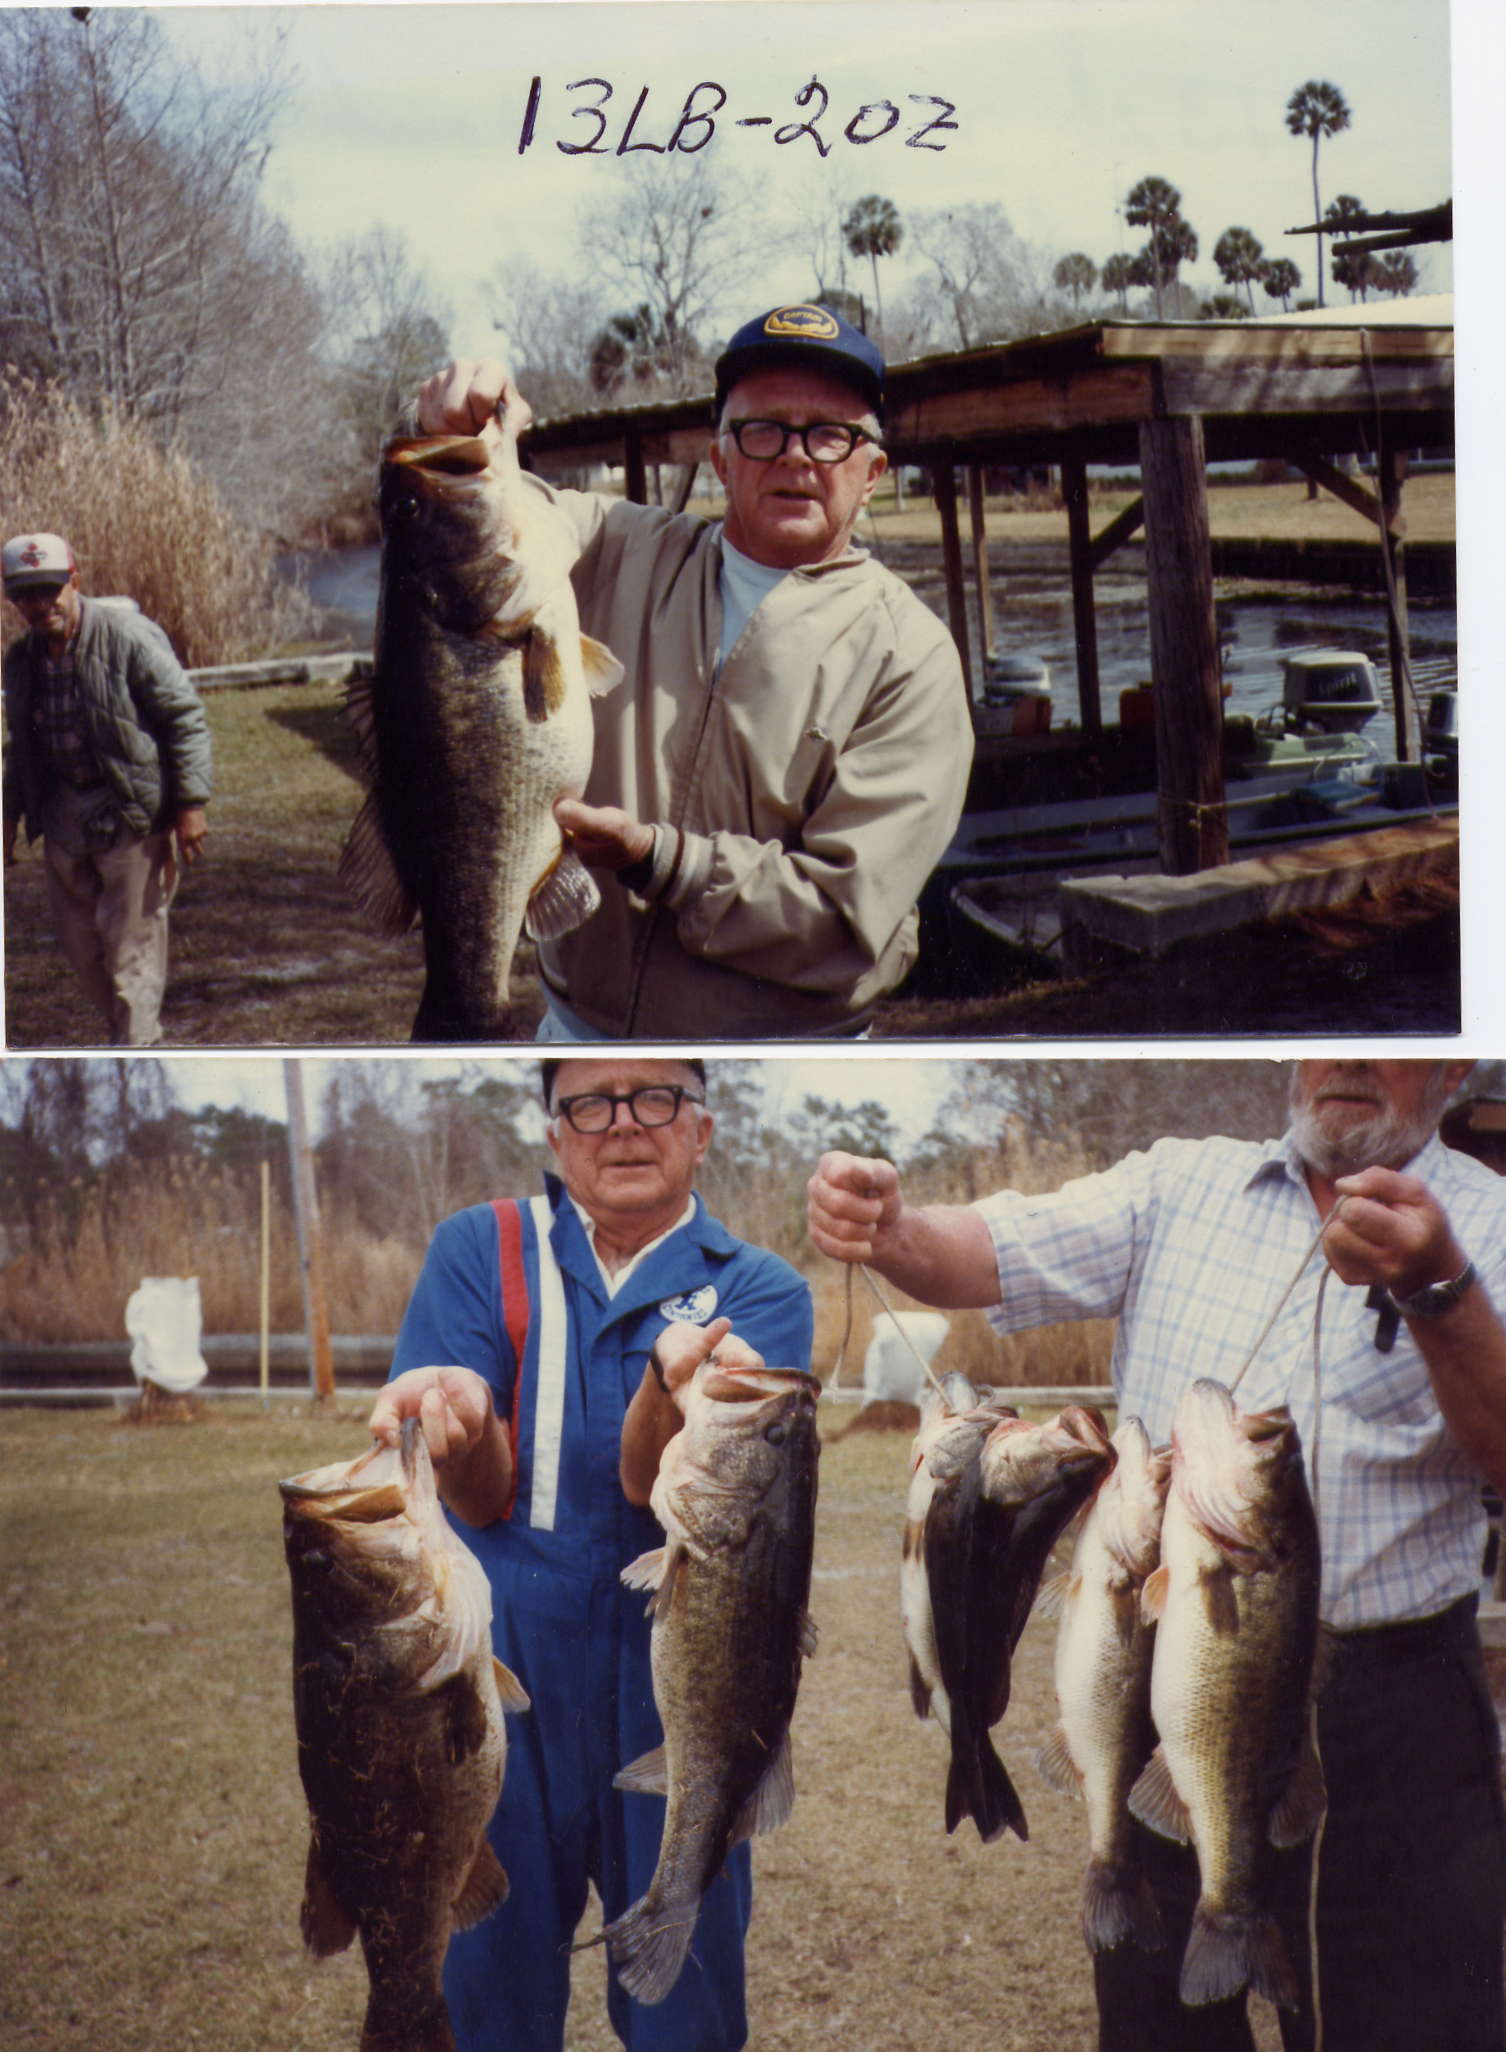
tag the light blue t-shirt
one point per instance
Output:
(744, 585)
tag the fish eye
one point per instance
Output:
(776, 1435)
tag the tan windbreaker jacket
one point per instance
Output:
(815, 781)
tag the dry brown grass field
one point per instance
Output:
(152, 1826)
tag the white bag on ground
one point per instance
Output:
(164, 1320)
(891, 1373)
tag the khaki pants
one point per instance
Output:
(109, 910)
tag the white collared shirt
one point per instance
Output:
(614, 1278)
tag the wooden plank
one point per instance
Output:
(1086, 399)
(1250, 342)
(1344, 487)
(944, 485)
(1301, 388)
(1184, 647)
(1084, 620)
(1118, 532)
(635, 469)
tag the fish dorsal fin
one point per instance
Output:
(1153, 1595)
(1052, 1600)
(368, 873)
(1056, 1767)
(647, 1775)
(773, 1799)
(483, 1890)
(1295, 1818)
(511, 1693)
(325, 1926)
(544, 684)
(603, 671)
(1154, 1800)
(564, 898)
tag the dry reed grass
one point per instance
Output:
(74, 1281)
(143, 523)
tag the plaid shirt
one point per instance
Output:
(58, 718)
(1190, 1246)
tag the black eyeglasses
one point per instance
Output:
(36, 591)
(824, 441)
(655, 1104)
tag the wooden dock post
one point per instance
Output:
(1183, 646)
(977, 516)
(1393, 472)
(1084, 620)
(944, 485)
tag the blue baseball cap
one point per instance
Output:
(811, 337)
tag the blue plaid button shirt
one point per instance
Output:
(1190, 1246)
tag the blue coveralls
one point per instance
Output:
(576, 1639)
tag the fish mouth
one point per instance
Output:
(727, 1384)
(374, 1486)
(434, 456)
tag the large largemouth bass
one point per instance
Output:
(1236, 1604)
(398, 1704)
(1103, 1659)
(476, 719)
(954, 1602)
(736, 1495)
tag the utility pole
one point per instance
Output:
(310, 1240)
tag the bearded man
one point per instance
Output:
(1190, 1246)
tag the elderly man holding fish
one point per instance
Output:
(787, 758)
(1192, 1245)
(548, 1350)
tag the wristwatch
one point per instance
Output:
(1437, 1297)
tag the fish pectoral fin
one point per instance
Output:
(1154, 1800)
(1057, 1768)
(920, 1689)
(563, 898)
(1052, 1600)
(485, 1888)
(1220, 1602)
(1297, 1816)
(544, 684)
(369, 874)
(360, 714)
(647, 1775)
(325, 1925)
(810, 1638)
(647, 1571)
(1153, 1595)
(603, 671)
(511, 1693)
(772, 1801)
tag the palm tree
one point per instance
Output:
(1357, 272)
(873, 230)
(1395, 273)
(1076, 274)
(1157, 205)
(1117, 275)
(1280, 277)
(1317, 109)
(1240, 260)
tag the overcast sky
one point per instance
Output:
(411, 115)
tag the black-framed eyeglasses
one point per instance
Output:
(654, 1104)
(824, 441)
(37, 591)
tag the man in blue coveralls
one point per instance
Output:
(546, 1349)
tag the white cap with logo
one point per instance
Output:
(35, 559)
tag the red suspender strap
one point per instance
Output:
(515, 1313)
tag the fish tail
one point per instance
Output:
(1228, 1951)
(649, 1943)
(978, 1786)
(1117, 1905)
